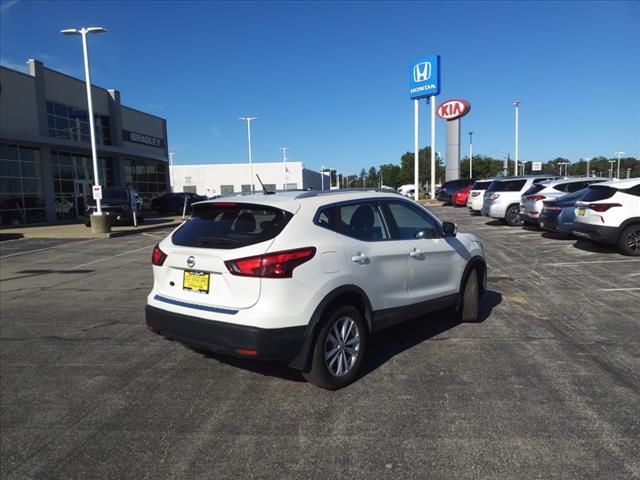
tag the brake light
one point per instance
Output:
(475, 194)
(271, 265)
(494, 196)
(536, 198)
(602, 207)
(158, 256)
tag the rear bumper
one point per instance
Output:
(597, 233)
(526, 218)
(282, 344)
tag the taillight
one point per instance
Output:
(536, 198)
(602, 207)
(271, 265)
(494, 196)
(158, 256)
(475, 194)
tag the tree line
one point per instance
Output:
(393, 175)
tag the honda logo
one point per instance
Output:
(422, 72)
(191, 261)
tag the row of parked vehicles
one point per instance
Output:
(598, 209)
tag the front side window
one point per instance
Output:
(407, 222)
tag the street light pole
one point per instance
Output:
(83, 32)
(284, 165)
(171, 154)
(470, 155)
(619, 155)
(588, 159)
(517, 105)
(611, 162)
(248, 120)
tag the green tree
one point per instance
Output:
(483, 167)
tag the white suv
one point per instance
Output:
(531, 200)
(475, 199)
(306, 277)
(610, 213)
(502, 198)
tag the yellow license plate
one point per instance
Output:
(581, 212)
(196, 282)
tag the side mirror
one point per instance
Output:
(449, 229)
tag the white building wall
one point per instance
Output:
(209, 179)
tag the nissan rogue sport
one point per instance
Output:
(307, 277)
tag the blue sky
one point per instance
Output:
(329, 80)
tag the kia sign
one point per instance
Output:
(453, 109)
(424, 77)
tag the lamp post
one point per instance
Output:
(83, 32)
(566, 167)
(517, 105)
(248, 120)
(619, 154)
(470, 154)
(588, 159)
(284, 165)
(171, 154)
(611, 162)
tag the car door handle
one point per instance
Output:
(416, 253)
(360, 258)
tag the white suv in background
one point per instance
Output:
(610, 213)
(531, 202)
(305, 278)
(502, 198)
(475, 199)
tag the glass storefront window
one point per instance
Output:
(71, 123)
(148, 177)
(21, 186)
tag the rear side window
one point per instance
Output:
(230, 225)
(508, 186)
(598, 193)
(356, 220)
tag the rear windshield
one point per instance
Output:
(230, 225)
(483, 185)
(572, 197)
(597, 192)
(507, 186)
(534, 189)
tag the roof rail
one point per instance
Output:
(314, 193)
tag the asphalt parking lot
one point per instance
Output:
(546, 386)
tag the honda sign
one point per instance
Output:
(424, 80)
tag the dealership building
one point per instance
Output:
(229, 178)
(46, 169)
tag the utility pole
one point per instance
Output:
(248, 120)
(619, 155)
(284, 165)
(517, 105)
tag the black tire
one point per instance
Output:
(469, 306)
(325, 367)
(629, 241)
(512, 217)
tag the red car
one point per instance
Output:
(460, 197)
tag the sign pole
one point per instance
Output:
(416, 147)
(433, 149)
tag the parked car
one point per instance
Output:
(610, 213)
(174, 202)
(447, 189)
(558, 215)
(461, 196)
(119, 203)
(502, 198)
(307, 277)
(476, 194)
(531, 200)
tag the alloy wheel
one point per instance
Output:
(342, 346)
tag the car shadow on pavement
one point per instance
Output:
(383, 346)
(386, 344)
(589, 246)
(496, 223)
(558, 236)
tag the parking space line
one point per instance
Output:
(49, 248)
(112, 256)
(618, 289)
(560, 264)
